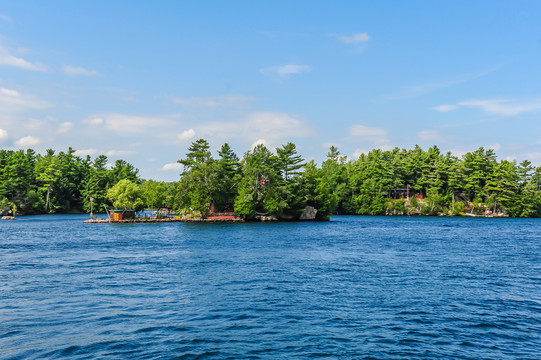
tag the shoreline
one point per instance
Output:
(168, 220)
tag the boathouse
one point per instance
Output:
(117, 215)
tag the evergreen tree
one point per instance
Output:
(228, 176)
(199, 182)
(258, 192)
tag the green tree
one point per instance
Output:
(317, 192)
(288, 166)
(258, 187)
(153, 193)
(126, 195)
(228, 176)
(333, 171)
(500, 185)
(478, 166)
(199, 180)
(48, 173)
(97, 180)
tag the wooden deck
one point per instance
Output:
(214, 219)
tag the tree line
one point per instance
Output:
(61, 182)
(280, 183)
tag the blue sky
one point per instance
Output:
(141, 80)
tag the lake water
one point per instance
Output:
(352, 288)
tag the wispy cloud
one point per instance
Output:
(97, 121)
(430, 135)
(259, 142)
(3, 134)
(367, 133)
(327, 145)
(27, 141)
(186, 135)
(271, 126)
(85, 152)
(499, 107)
(285, 71)
(503, 107)
(7, 59)
(123, 124)
(65, 127)
(357, 38)
(445, 108)
(119, 152)
(12, 100)
(111, 153)
(79, 71)
(359, 152)
(416, 90)
(172, 167)
(213, 101)
(6, 18)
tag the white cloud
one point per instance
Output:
(359, 152)
(172, 167)
(260, 142)
(186, 135)
(6, 18)
(8, 92)
(129, 124)
(85, 152)
(503, 107)
(430, 135)
(79, 71)
(213, 101)
(7, 59)
(36, 125)
(374, 134)
(65, 127)
(97, 121)
(533, 156)
(327, 145)
(269, 125)
(445, 108)
(119, 152)
(15, 101)
(416, 90)
(27, 141)
(355, 38)
(385, 147)
(285, 71)
(3, 134)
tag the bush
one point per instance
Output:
(458, 208)
(396, 207)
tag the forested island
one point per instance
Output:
(277, 185)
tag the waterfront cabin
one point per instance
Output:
(402, 193)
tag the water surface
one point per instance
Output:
(352, 288)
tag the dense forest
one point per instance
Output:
(279, 183)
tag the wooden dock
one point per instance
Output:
(165, 220)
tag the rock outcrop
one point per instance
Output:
(266, 218)
(5, 213)
(309, 213)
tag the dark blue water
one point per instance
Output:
(352, 288)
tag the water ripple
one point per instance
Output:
(353, 288)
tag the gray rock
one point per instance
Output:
(5, 213)
(309, 213)
(266, 218)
